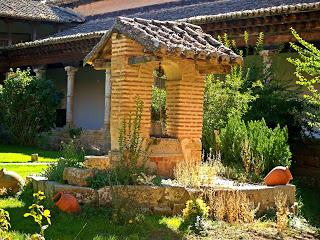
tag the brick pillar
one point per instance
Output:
(71, 72)
(185, 109)
(128, 82)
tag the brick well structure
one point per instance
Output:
(133, 49)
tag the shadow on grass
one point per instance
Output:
(310, 198)
(91, 223)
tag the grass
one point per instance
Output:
(14, 153)
(311, 208)
(24, 170)
(94, 223)
(91, 223)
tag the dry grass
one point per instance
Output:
(231, 206)
(282, 210)
(197, 173)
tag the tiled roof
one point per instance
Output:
(37, 11)
(68, 3)
(283, 9)
(172, 37)
(189, 9)
(56, 40)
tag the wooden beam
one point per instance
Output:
(101, 64)
(142, 59)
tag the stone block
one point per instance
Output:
(178, 208)
(97, 162)
(77, 176)
(84, 195)
(166, 211)
(105, 196)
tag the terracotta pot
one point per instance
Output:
(66, 203)
(278, 176)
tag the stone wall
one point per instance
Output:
(166, 200)
(97, 141)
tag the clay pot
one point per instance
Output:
(66, 203)
(278, 176)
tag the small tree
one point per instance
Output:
(308, 74)
(29, 105)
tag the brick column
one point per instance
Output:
(128, 82)
(71, 73)
(185, 109)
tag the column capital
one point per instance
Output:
(39, 70)
(71, 69)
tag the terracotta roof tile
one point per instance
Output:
(37, 11)
(183, 39)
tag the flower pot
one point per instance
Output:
(278, 176)
(66, 203)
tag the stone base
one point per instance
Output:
(168, 200)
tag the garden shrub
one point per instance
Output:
(29, 105)
(232, 137)
(268, 147)
(72, 156)
(4, 225)
(194, 216)
(223, 98)
(231, 206)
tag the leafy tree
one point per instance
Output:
(308, 74)
(29, 105)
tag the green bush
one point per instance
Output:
(72, 156)
(268, 147)
(223, 99)
(28, 105)
(232, 137)
(194, 216)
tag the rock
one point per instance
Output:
(11, 181)
(105, 196)
(97, 162)
(77, 176)
(166, 211)
(177, 209)
(84, 195)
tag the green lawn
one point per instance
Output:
(91, 223)
(13, 153)
(24, 170)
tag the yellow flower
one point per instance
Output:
(130, 221)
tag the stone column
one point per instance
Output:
(71, 73)
(267, 62)
(39, 71)
(107, 100)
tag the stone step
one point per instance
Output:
(97, 162)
